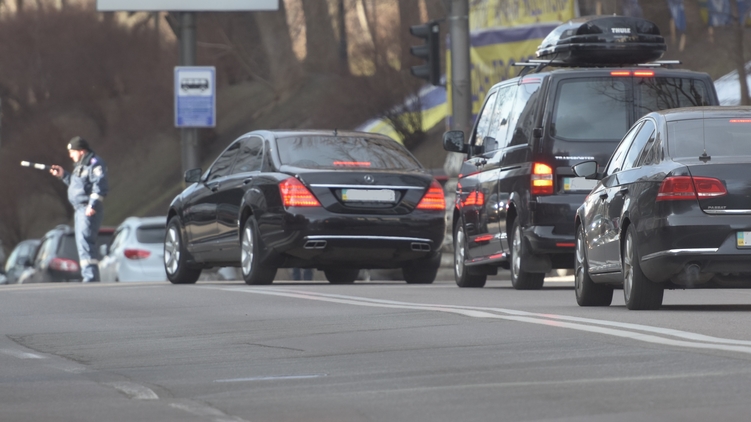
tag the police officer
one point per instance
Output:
(87, 187)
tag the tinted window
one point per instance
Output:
(336, 152)
(719, 137)
(222, 165)
(645, 135)
(151, 234)
(616, 160)
(500, 120)
(523, 115)
(483, 122)
(67, 248)
(593, 109)
(655, 94)
(250, 157)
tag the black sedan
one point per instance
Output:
(672, 209)
(335, 201)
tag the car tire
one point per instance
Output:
(461, 274)
(254, 272)
(587, 292)
(422, 271)
(176, 256)
(639, 292)
(346, 276)
(520, 279)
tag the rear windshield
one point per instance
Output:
(718, 137)
(336, 152)
(151, 234)
(68, 250)
(599, 109)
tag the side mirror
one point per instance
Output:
(453, 141)
(193, 175)
(586, 169)
(104, 250)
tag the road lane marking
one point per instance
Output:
(133, 390)
(273, 378)
(21, 354)
(200, 409)
(638, 332)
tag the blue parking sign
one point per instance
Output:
(195, 96)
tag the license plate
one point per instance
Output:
(743, 239)
(368, 195)
(578, 184)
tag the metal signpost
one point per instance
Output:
(191, 104)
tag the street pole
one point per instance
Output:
(461, 87)
(188, 136)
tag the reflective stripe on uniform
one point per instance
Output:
(97, 197)
(87, 262)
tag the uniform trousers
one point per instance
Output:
(87, 231)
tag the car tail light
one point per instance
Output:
(434, 199)
(677, 188)
(476, 198)
(644, 73)
(352, 163)
(136, 254)
(295, 194)
(62, 264)
(542, 179)
(620, 73)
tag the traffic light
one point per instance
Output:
(429, 51)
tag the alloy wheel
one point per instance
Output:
(579, 262)
(172, 250)
(628, 269)
(516, 250)
(459, 253)
(247, 250)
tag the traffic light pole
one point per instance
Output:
(188, 136)
(461, 87)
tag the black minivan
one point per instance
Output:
(517, 195)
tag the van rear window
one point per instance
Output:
(593, 109)
(340, 152)
(599, 109)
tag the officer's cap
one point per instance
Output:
(79, 144)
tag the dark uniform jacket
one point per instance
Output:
(87, 184)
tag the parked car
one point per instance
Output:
(56, 258)
(670, 210)
(19, 259)
(136, 252)
(333, 200)
(517, 195)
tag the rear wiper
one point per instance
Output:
(704, 157)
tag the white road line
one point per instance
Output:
(21, 354)
(611, 328)
(200, 409)
(133, 390)
(273, 378)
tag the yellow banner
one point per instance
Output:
(505, 13)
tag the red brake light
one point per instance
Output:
(644, 73)
(620, 73)
(740, 120)
(677, 188)
(295, 194)
(434, 199)
(542, 179)
(474, 198)
(62, 264)
(352, 163)
(136, 253)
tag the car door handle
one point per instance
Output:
(248, 180)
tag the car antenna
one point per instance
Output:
(704, 157)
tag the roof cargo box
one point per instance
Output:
(603, 40)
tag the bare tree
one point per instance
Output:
(739, 57)
(285, 70)
(320, 41)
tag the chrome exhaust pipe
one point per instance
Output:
(315, 244)
(420, 247)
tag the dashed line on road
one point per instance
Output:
(273, 378)
(21, 354)
(133, 390)
(638, 332)
(200, 409)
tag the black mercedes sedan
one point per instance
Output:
(672, 209)
(332, 200)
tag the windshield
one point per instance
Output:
(338, 152)
(718, 137)
(663, 93)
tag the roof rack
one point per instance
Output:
(536, 65)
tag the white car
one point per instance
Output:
(136, 252)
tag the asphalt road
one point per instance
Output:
(377, 351)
